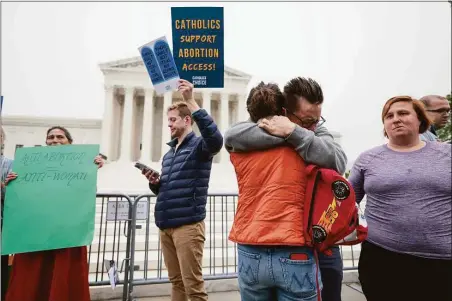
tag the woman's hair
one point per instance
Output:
(418, 107)
(265, 100)
(65, 131)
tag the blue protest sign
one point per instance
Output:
(198, 45)
(159, 62)
(165, 60)
(151, 65)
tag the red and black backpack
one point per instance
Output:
(331, 215)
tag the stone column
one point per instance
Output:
(241, 108)
(107, 121)
(126, 131)
(224, 118)
(146, 136)
(166, 134)
(206, 95)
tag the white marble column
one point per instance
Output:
(126, 131)
(166, 134)
(224, 118)
(206, 97)
(107, 121)
(241, 108)
(146, 136)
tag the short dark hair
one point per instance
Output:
(65, 131)
(265, 100)
(427, 100)
(183, 109)
(302, 87)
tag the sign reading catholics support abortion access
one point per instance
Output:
(52, 202)
(198, 45)
(159, 62)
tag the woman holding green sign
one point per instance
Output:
(53, 275)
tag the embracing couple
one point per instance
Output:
(269, 152)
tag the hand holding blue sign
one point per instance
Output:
(186, 89)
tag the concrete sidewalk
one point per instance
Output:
(350, 292)
(218, 290)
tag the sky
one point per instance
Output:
(361, 53)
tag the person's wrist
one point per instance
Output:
(289, 130)
(192, 105)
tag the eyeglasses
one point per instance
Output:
(310, 123)
(441, 111)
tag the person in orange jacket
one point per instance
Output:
(273, 259)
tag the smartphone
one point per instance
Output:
(145, 168)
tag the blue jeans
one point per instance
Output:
(267, 273)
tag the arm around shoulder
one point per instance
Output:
(248, 136)
(318, 148)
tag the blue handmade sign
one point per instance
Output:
(198, 45)
(159, 62)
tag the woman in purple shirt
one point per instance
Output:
(407, 255)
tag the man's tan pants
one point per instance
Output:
(182, 251)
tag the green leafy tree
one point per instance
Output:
(445, 134)
(347, 174)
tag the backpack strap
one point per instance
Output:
(311, 168)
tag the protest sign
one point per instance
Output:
(52, 202)
(159, 62)
(198, 45)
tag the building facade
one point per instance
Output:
(134, 126)
(134, 123)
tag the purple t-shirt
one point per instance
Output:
(409, 198)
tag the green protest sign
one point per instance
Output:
(52, 202)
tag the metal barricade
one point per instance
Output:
(142, 260)
(106, 245)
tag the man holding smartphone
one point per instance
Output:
(181, 191)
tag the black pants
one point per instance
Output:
(331, 271)
(332, 284)
(4, 275)
(390, 276)
(4, 268)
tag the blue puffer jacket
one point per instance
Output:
(182, 191)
